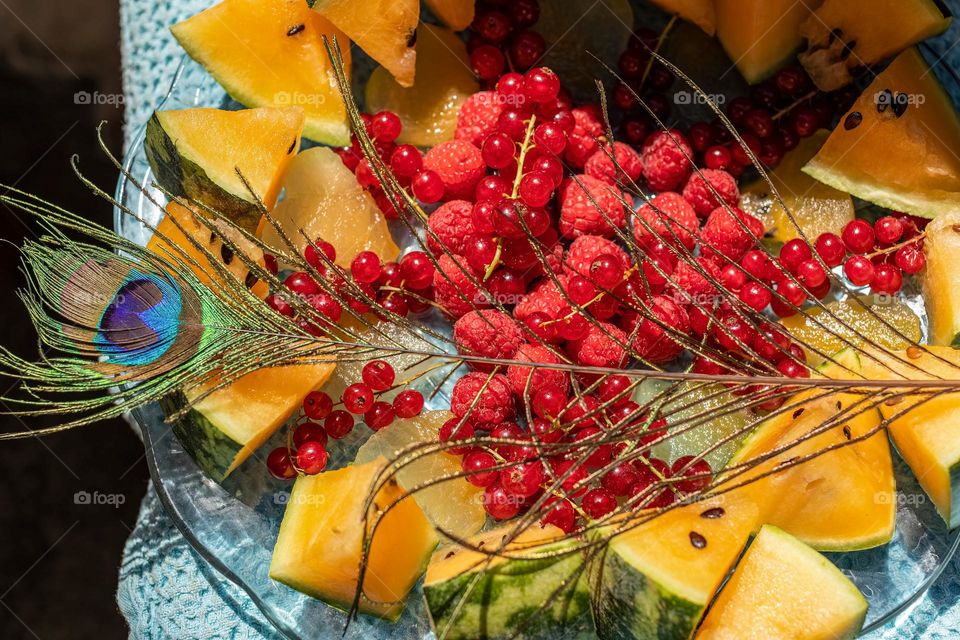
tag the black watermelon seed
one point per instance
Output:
(846, 432)
(250, 281)
(227, 254)
(853, 120)
(798, 413)
(848, 49)
(900, 103)
(295, 29)
(713, 514)
(213, 237)
(697, 540)
(450, 554)
(412, 38)
(293, 145)
(835, 34)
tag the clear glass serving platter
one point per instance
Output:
(234, 526)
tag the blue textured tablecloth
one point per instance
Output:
(166, 591)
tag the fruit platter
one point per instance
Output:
(535, 319)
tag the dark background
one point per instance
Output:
(58, 559)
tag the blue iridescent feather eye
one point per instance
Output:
(142, 321)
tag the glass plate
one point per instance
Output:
(234, 526)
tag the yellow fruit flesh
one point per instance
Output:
(761, 35)
(320, 545)
(385, 29)
(173, 244)
(455, 506)
(846, 34)
(429, 108)
(840, 500)
(323, 200)
(255, 143)
(907, 163)
(259, 53)
(700, 12)
(941, 295)
(782, 588)
(456, 14)
(252, 408)
(832, 329)
(816, 208)
(924, 428)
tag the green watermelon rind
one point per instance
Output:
(185, 178)
(214, 451)
(507, 601)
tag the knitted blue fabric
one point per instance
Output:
(166, 590)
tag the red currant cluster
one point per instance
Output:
(642, 77)
(879, 255)
(307, 452)
(501, 29)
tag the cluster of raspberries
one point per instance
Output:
(592, 218)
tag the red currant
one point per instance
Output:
(365, 267)
(888, 230)
(562, 515)
(541, 85)
(755, 295)
(859, 270)
(312, 458)
(280, 465)
(500, 504)
(453, 430)
(811, 274)
(487, 62)
(498, 150)
(535, 190)
(385, 126)
(317, 405)
(427, 186)
(417, 270)
(598, 503)
(408, 403)
(886, 279)
(686, 467)
(406, 161)
(830, 248)
(357, 398)
(279, 304)
(378, 375)
(527, 47)
(910, 259)
(858, 236)
(301, 284)
(522, 480)
(338, 424)
(476, 464)
(793, 253)
(619, 479)
(379, 415)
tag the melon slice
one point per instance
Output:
(897, 145)
(320, 545)
(271, 53)
(816, 207)
(940, 293)
(700, 12)
(454, 506)
(385, 29)
(201, 154)
(221, 430)
(843, 35)
(529, 589)
(456, 14)
(324, 200)
(784, 589)
(760, 36)
(180, 243)
(842, 500)
(656, 580)
(429, 108)
(924, 428)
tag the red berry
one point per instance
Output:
(562, 515)
(500, 504)
(317, 405)
(619, 479)
(406, 161)
(811, 274)
(357, 398)
(510, 85)
(270, 263)
(888, 230)
(792, 369)
(493, 26)
(830, 248)
(718, 158)
(886, 279)
(476, 465)
(523, 13)
(522, 480)
(279, 304)
(280, 465)
(858, 236)
(541, 84)
(378, 375)
(598, 503)
(312, 254)
(526, 49)
(416, 270)
(793, 253)
(859, 270)
(427, 186)
(549, 138)
(365, 267)
(309, 432)
(487, 62)
(408, 403)
(548, 401)
(755, 295)
(613, 390)
(686, 467)
(385, 126)
(338, 424)
(312, 458)
(535, 190)
(910, 259)
(379, 415)
(498, 150)
(301, 284)
(456, 429)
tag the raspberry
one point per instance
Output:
(579, 214)
(650, 341)
(725, 235)
(666, 163)
(629, 165)
(542, 376)
(459, 165)
(582, 141)
(451, 286)
(698, 194)
(691, 284)
(452, 223)
(478, 117)
(487, 333)
(585, 249)
(601, 347)
(544, 298)
(667, 206)
(493, 404)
